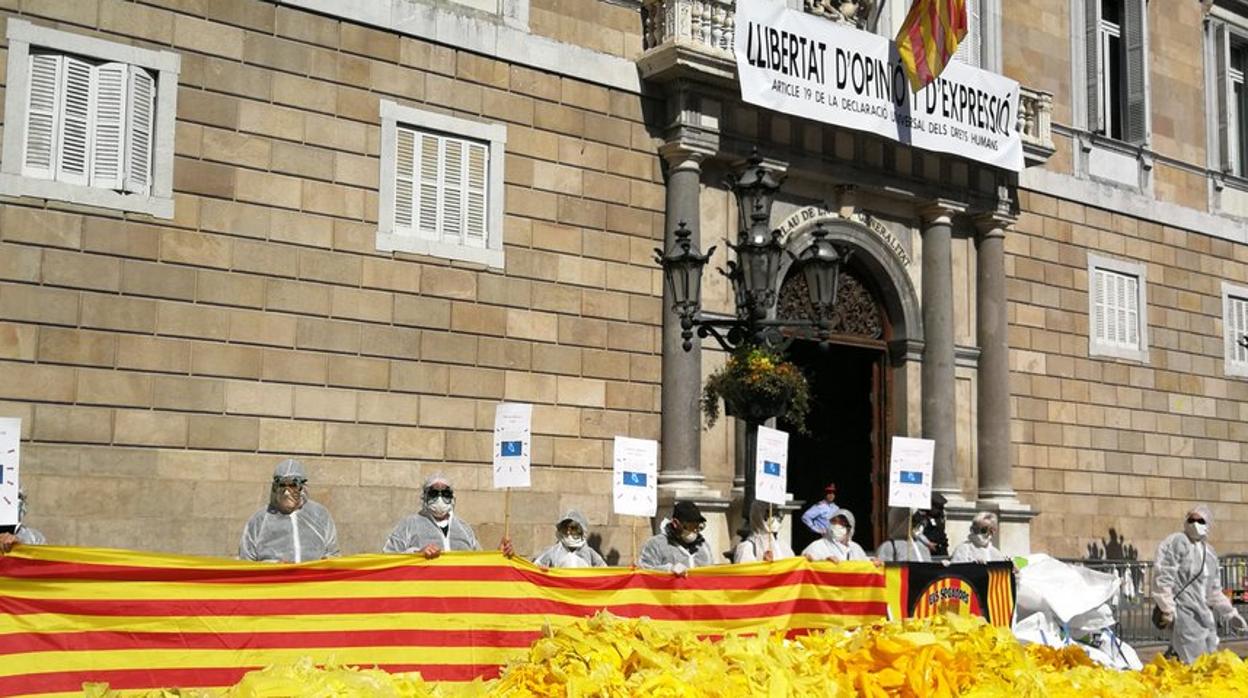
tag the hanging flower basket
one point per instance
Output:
(756, 384)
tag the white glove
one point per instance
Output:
(679, 570)
(1237, 623)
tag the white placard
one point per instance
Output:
(513, 436)
(910, 473)
(10, 484)
(636, 464)
(771, 466)
(796, 63)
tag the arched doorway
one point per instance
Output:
(848, 427)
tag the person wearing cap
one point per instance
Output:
(679, 545)
(818, 516)
(21, 534)
(292, 527)
(435, 528)
(572, 548)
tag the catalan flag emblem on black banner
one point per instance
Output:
(921, 590)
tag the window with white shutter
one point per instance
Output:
(441, 185)
(1230, 101)
(1235, 329)
(1115, 63)
(1116, 309)
(970, 48)
(90, 123)
(95, 124)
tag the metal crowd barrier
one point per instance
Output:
(1134, 609)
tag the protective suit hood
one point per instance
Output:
(429, 483)
(758, 516)
(576, 517)
(289, 469)
(849, 518)
(1198, 532)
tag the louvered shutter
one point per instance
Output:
(404, 178)
(476, 212)
(1222, 82)
(453, 190)
(1100, 311)
(1135, 127)
(73, 155)
(430, 174)
(42, 111)
(1236, 327)
(969, 48)
(141, 112)
(1130, 311)
(109, 141)
(1241, 327)
(1094, 65)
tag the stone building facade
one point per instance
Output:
(269, 288)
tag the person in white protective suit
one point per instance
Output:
(435, 528)
(837, 543)
(572, 548)
(978, 545)
(679, 544)
(292, 527)
(908, 545)
(764, 541)
(1187, 589)
(21, 533)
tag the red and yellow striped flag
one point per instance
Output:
(929, 37)
(144, 621)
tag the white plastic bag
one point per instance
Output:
(1049, 585)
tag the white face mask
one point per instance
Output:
(980, 540)
(688, 536)
(1196, 531)
(439, 506)
(773, 525)
(918, 531)
(838, 532)
(572, 542)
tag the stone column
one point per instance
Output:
(994, 360)
(939, 393)
(681, 457)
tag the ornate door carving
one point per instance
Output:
(857, 313)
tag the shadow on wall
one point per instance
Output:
(1115, 547)
(612, 556)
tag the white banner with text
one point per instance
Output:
(799, 64)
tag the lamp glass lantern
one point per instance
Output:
(821, 264)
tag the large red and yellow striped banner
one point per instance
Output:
(929, 37)
(142, 621)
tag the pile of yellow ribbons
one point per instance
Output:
(607, 656)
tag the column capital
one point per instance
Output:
(681, 154)
(938, 211)
(993, 223)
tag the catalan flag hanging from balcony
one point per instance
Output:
(929, 37)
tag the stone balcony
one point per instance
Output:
(693, 40)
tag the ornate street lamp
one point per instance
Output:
(821, 264)
(755, 281)
(682, 271)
